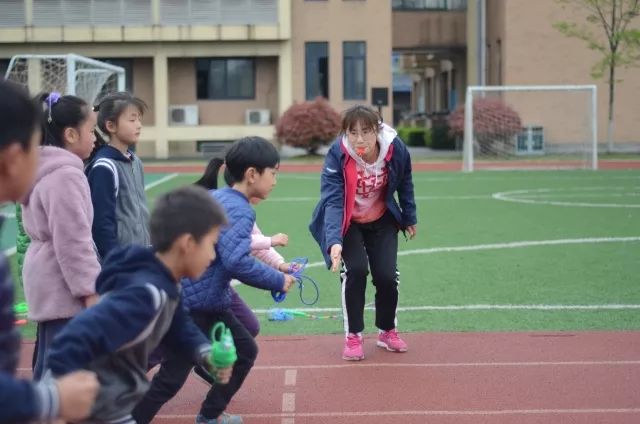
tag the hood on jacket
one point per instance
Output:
(386, 135)
(52, 159)
(109, 152)
(132, 264)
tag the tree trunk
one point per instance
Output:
(612, 92)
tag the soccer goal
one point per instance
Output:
(68, 74)
(529, 127)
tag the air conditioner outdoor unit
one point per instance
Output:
(183, 115)
(257, 117)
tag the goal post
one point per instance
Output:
(66, 73)
(525, 127)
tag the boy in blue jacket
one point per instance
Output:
(71, 397)
(140, 306)
(252, 164)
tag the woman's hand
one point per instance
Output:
(412, 230)
(336, 257)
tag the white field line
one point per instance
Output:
(538, 196)
(484, 307)
(503, 364)
(477, 177)
(426, 412)
(507, 245)
(12, 250)
(160, 181)
(315, 198)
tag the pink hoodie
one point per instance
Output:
(261, 248)
(60, 266)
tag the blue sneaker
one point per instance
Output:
(222, 419)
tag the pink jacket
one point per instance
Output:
(261, 248)
(60, 266)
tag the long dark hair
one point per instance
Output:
(209, 179)
(60, 113)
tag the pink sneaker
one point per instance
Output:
(391, 341)
(353, 348)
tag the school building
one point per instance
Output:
(215, 70)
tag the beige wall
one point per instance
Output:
(535, 53)
(143, 86)
(495, 42)
(337, 21)
(420, 29)
(182, 90)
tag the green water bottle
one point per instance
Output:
(223, 350)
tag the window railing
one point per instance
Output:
(218, 12)
(138, 12)
(429, 4)
(91, 12)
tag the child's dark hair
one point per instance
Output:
(19, 115)
(368, 118)
(60, 112)
(249, 152)
(187, 210)
(209, 179)
(110, 108)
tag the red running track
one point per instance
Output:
(445, 378)
(421, 166)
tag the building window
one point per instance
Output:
(429, 4)
(444, 90)
(354, 70)
(226, 79)
(127, 64)
(91, 12)
(316, 70)
(4, 65)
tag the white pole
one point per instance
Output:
(121, 81)
(594, 128)
(482, 11)
(71, 74)
(467, 145)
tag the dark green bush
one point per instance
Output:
(415, 136)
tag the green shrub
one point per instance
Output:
(441, 138)
(414, 136)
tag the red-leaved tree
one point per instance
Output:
(494, 124)
(309, 125)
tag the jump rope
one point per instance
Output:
(296, 269)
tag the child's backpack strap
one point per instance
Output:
(108, 163)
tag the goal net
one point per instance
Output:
(84, 77)
(528, 127)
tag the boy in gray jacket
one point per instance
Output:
(140, 306)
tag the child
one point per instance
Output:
(252, 164)
(262, 247)
(116, 175)
(141, 306)
(357, 219)
(71, 397)
(60, 266)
